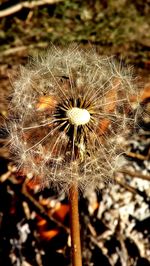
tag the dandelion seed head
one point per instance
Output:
(70, 112)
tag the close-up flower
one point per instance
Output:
(74, 133)
(70, 112)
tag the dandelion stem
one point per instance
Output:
(74, 226)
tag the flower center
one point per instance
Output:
(78, 116)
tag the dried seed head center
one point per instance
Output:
(78, 116)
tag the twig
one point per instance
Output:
(40, 210)
(122, 252)
(5, 176)
(14, 50)
(74, 226)
(136, 174)
(126, 186)
(133, 190)
(137, 156)
(15, 8)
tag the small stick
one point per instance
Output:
(136, 174)
(17, 7)
(137, 156)
(74, 226)
(41, 210)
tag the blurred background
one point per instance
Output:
(34, 225)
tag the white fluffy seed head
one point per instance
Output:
(78, 116)
(65, 88)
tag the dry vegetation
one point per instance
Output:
(115, 221)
